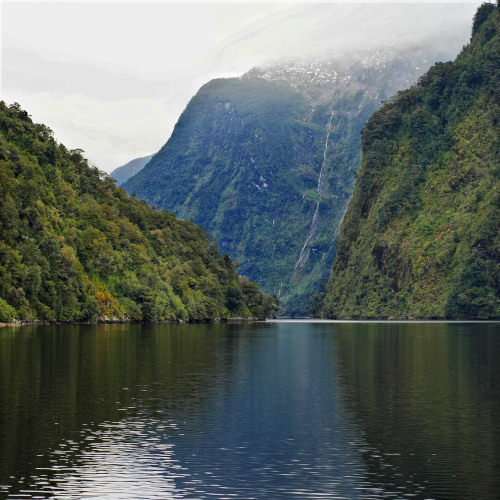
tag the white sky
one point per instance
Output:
(112, 78)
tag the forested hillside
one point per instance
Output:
(73, 246)
(266, 162)
(421, 237)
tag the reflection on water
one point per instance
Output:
(274, 410)
(125, 459)
(426, 396)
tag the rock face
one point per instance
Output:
(421, 237)
(123, 173)
(267, 162)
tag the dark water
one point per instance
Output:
(264, 411)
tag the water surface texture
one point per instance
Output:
(251, 411)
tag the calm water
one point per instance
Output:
(252, 411)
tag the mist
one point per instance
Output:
(113, 78)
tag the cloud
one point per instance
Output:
(117, 130)
(112, 78)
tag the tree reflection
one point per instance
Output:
(425, 396)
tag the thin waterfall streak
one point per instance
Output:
(320, 179)
(314, 223)
(308, 117)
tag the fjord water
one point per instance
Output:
(266, 411)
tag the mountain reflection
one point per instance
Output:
(251, 411)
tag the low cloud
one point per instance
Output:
(113, 78)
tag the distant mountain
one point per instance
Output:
(123, 173)
(421, 237)
(73, 246)
(267, 162)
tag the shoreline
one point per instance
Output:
(116, 321)
(19, 324)
(385, 320)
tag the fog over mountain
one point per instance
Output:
(266, 162)
(116, 81)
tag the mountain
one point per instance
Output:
(123, 173)
(73, 246)
(421, 237)
(266, 162)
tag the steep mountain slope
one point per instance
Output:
(123, 173)
(421, 237)
(266, 162)
(74, 247)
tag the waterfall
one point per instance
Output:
(304, 253)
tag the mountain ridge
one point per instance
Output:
(74, 247)
(266, 163)
(421, 236)
(123, 173)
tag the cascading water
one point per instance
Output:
(304, 252)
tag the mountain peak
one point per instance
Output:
(266, 162)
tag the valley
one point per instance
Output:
(266, 163)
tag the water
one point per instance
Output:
(251, 411)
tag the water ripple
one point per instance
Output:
(282, 412)
(119, 460)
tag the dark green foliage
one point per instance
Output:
(421, 237)
(7, 313)
(316, 301)
(473, 296)
(481, 15)
(244, 161)
(73, 246)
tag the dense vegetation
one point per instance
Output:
(421, 237)
(73, 246)
(245, 158)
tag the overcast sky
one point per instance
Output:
(113, 78)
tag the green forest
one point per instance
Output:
(421, 238)
(245, 157)
(74, 247)
(238, 164)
